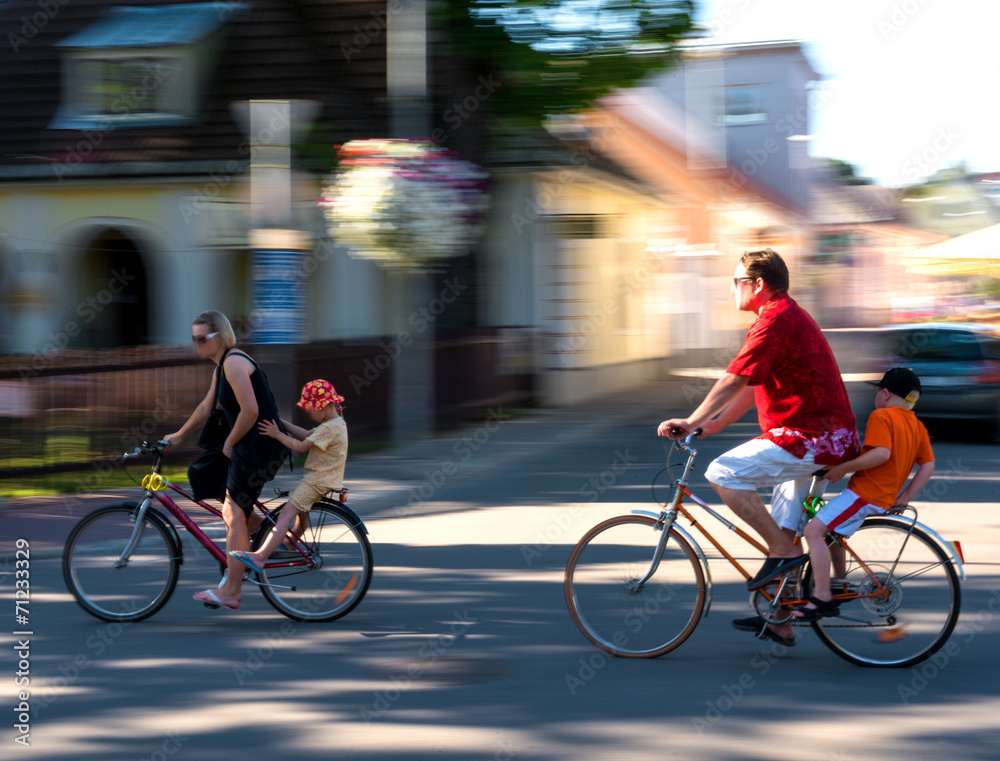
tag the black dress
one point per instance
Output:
(256, 458)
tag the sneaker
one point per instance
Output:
(773, 568)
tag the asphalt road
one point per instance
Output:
(463, 648)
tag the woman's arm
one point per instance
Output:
(237, 370)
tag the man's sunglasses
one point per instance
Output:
(738, 280)
(204, 339)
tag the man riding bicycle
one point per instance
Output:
(786, 368)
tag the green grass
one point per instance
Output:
(54, 484)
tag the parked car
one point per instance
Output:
(958, 364)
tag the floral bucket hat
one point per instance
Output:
(317, 394)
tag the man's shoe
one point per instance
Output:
(773, 568)
(758, 626)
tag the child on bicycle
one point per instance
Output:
(895, 441)
(324, 469)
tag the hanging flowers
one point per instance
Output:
(404, 203)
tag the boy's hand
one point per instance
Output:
(268, 428)
(836, 473)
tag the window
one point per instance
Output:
(140, 65)
(742, 104)
(131, 87)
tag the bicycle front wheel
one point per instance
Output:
(114, 586)
(338, 577)
(909, 598)
(608, 605)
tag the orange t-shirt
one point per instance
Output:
(899, 431)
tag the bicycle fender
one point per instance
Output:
(348, 513)
(153, 514)
(945, 545)
(698, 551)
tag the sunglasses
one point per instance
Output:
(738, 280)
(203, 339)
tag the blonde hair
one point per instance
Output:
(217, 323)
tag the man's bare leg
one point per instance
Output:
(748, 505)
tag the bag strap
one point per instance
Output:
(218, 376)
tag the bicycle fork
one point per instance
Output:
(138, 519)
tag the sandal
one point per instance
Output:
(823, 609)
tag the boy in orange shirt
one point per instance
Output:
(895, 441)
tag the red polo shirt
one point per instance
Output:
(802, 403)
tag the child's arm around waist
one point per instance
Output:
(297, 442)
(870, 458)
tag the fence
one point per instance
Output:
(79, 410)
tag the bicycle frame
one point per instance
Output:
(667, 519)
(155, 488)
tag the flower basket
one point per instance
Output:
(406, 204)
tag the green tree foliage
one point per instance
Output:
(846, 174)
(556, 57)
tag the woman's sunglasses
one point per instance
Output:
(204, 339)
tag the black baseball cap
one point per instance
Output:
(900, 381)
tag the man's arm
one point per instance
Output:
(727, 389)
(918, 482)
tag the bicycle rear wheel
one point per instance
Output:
(908, 611)
(341, 573)
(605, 603)
(113, 587)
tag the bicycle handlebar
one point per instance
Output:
(688, 440)
(159, 449)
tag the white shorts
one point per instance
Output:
(760, 462)
(845, 513)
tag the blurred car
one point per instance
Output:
(958, 365)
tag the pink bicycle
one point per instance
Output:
(121, 562)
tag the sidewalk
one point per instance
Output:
(380, 482)
(384, 482)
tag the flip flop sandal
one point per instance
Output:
(823, 609)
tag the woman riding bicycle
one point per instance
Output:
(240, 389)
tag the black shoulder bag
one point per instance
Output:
(209, 472)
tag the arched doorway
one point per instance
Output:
(113, 308)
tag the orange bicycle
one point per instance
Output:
(637, 585)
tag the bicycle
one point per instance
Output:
(121, 562)
(638, 585)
